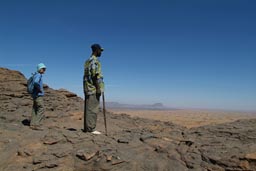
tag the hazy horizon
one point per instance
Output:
(190, 54)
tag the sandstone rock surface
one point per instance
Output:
(131, 144)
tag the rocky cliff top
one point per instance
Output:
(15, 99)
(131, 144)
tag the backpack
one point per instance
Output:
(30, 84)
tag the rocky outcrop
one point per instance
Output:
(131, 144)
(15, 99)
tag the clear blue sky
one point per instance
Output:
(183, 53)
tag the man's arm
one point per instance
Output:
(96, 84)
(95, 76)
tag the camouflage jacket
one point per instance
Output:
(92, 73)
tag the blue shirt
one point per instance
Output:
(38, 85)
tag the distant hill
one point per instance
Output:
(155, 106)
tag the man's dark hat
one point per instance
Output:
(96, 47)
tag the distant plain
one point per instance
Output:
(188, 118)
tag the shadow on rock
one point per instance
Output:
(26, 122)
(71, 129)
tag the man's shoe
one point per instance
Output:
(96, 132)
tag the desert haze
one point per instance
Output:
(188, 118)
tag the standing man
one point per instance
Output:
(37, 95)
(93, 87)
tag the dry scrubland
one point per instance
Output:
(188, 118)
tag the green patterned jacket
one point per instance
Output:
(92, 73)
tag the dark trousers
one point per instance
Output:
(37, 111)
(91, 109)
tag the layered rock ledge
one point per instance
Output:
(131, 144)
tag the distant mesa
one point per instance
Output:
(155, 106)
(158, 105)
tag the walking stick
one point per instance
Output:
(104, 113)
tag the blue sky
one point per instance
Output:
(183, 53)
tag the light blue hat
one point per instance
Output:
(40, 66)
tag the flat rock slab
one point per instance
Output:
(131, 144)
